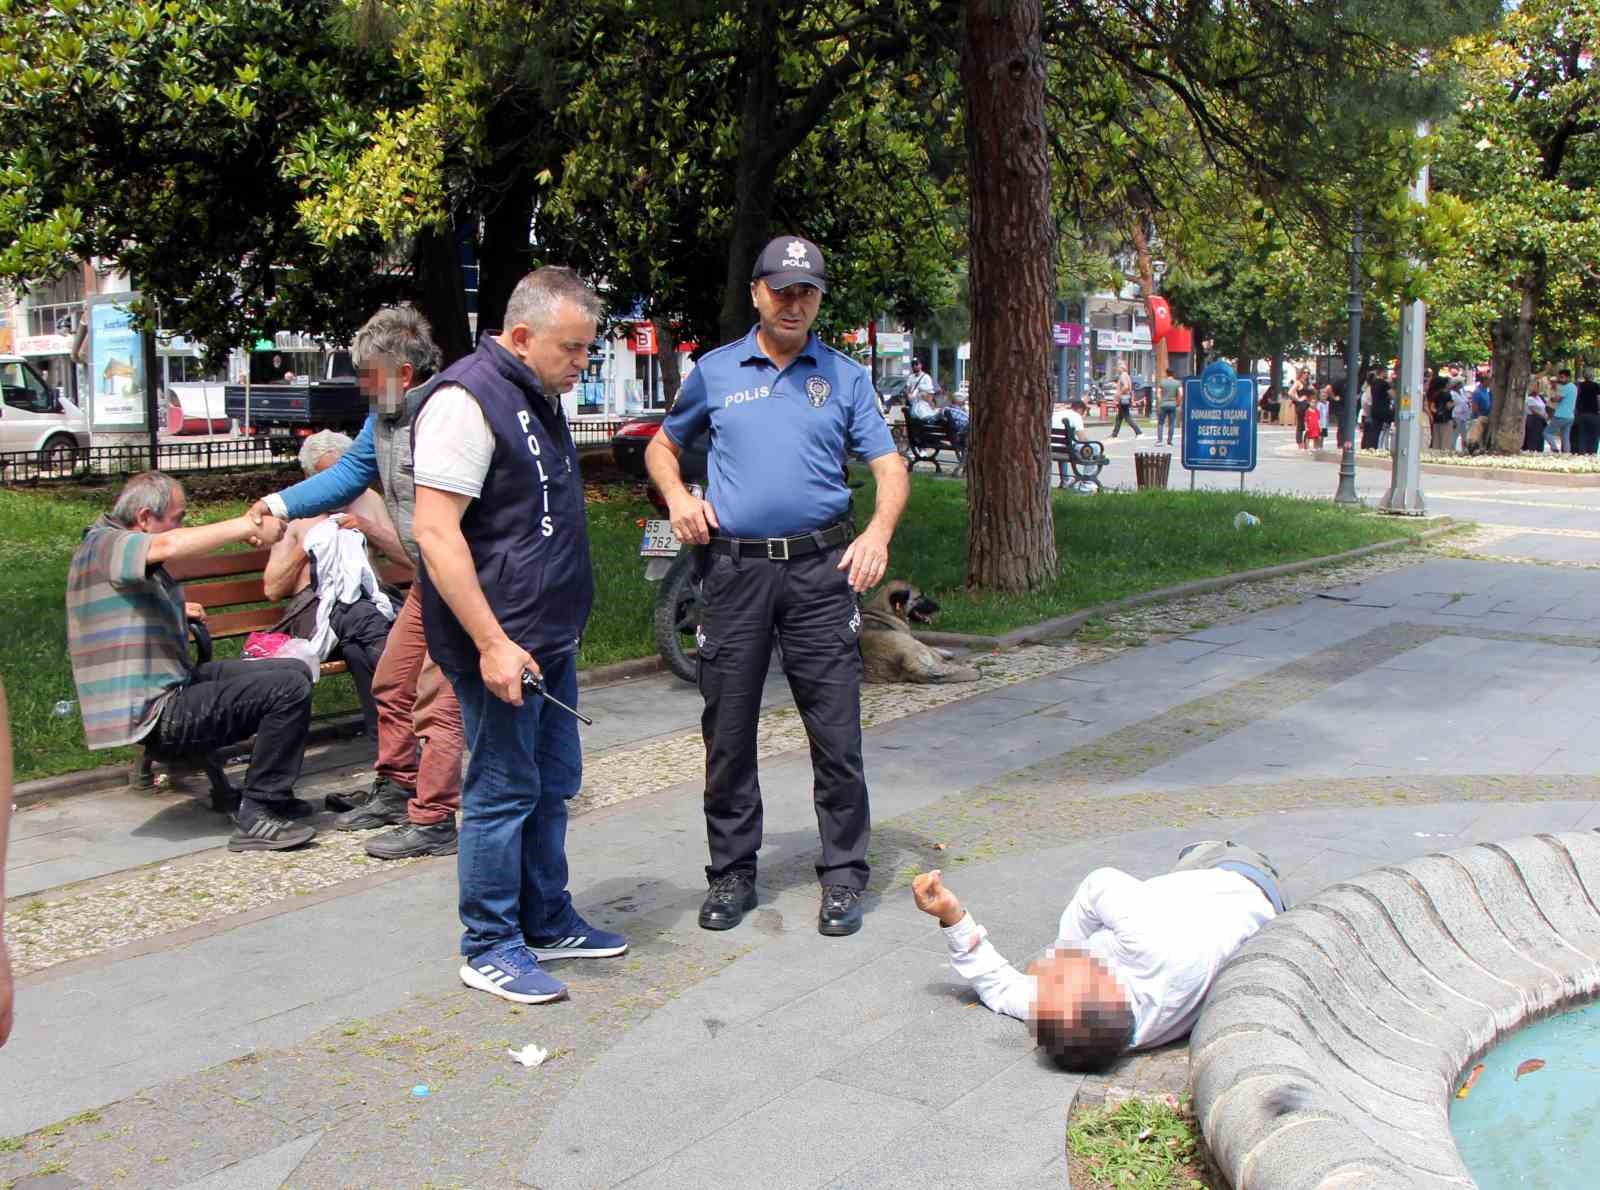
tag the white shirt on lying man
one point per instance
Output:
(1163, 939)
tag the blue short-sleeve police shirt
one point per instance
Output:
(779, 438)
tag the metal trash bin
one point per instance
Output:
(1152, 468)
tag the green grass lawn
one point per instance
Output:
(1113, 545)
(1110, 546)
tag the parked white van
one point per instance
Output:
(35, 417)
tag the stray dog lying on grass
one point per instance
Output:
(889, 653)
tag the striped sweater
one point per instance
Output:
(126, 633)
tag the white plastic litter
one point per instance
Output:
(1245, 521)
(529, 1055)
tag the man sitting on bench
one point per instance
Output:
(128, 637)
(343, 611)
(1133, 959)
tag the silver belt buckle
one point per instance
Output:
(774, 544)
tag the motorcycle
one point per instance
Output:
(677, 612)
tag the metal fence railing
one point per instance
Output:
(595, 433)
(200, 454)
(177, 457)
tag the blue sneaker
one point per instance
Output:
(581, 942)
(512, 973)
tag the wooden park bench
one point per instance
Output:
(1084, 457)
(229, 586)
(926, 440)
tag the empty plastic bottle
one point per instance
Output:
(65, 707)
(1244, 521)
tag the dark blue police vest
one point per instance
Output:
(526, 530)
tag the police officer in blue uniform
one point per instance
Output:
(782, 556)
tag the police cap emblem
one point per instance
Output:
(817, 390)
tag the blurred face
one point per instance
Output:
(786, 314)
(384, 382)
(1070, 981)
(557, 352)
(177, 509)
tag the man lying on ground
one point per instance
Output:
(128, 636)
(1133, 959)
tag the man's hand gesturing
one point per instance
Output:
(934, 898)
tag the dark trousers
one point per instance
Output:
(1124, 414)
(362, 631)
(1299, 424)
(226, 702)
(809, 604)
(1586, 434)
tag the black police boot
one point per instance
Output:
(730, 898)
(840, 913)
(414, 839)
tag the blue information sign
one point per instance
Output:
(1219, 421)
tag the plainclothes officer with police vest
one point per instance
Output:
(784, 410)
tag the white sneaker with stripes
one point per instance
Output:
(585, 942)
(511, 972)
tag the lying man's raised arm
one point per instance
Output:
(1000, 986)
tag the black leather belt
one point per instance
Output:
(782, 549)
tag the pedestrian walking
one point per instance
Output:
(784, 412)
(1461, 414)
(506, 590)
(1171, 400)
(1301, 394)
(1439, 404)
(1125, 404)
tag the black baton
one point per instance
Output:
(529, 682)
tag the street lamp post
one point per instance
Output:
(1346, 493)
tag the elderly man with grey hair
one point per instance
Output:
(417, 789)
(337, 602)
(128, 637)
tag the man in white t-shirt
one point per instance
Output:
(919, 391)
(1133, 959)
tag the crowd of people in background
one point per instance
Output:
(1561, 412)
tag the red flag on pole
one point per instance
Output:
(1160, 318)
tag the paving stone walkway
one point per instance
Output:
(281, 1045)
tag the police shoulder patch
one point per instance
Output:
(817, 390)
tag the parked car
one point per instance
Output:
(628, 443)
(35, 417)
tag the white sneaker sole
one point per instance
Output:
(481, 982)
(578, 952)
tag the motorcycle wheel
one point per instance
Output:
(678, 617)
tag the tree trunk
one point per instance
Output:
(436, 266)
(1147, 287)
(667, 355)
(757, 167)
(1011, 543)
(1512, 364)
(506, 255)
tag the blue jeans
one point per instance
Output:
(1558, 434)
(526, 764)
(1167, 416)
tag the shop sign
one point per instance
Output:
(44, 345)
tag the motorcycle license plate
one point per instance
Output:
(659, 541)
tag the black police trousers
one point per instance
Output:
(808, 603)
